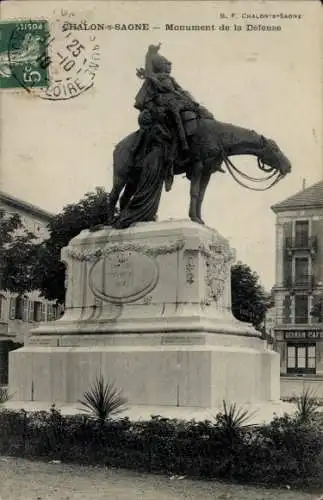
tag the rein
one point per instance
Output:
(233, 170)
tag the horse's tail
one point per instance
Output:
(115, 162)
(121, 156)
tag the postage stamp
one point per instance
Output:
(22, 52)
(47, 59)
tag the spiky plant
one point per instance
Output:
(306, 406)
(103, 399)
(233, 419)
(4, 394)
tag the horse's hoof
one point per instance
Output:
(197, 220)
(98, 227)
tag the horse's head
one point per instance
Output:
(272, 157)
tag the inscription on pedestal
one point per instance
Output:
(183, 339)
(43, 341)
(122, 277)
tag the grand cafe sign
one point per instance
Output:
(300, 334)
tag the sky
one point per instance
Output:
(53, 152)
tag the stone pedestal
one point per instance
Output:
(150, 308)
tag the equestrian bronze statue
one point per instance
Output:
(178, 136)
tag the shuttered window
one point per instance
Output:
(43, 312)
(50, 312)
(25, 316)
(12, 310)
(301, 232)
(30, 310)
(301, 309)
(37, 311)
(2, 306)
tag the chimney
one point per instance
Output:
(304, 184)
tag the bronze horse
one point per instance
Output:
(212, 143)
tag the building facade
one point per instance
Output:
(20, 313)
(298, 290)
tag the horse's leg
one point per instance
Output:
(195, 190)
(205, 178)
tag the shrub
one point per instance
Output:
(103, 399)
(291, 447)
(307, 405)
(231, 423)
(233, 420)
(4, 394)
(286, 451)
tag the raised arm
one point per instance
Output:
(151, 52)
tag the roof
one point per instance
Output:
(311, 197)
(25, 206)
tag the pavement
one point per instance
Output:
(261, 412)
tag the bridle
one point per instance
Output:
(234, 171)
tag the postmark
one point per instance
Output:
(58, 64)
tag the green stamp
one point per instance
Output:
(23, 54)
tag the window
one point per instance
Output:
(51, 312)
(2, 306)
(55, 311)
(25, 316)
(22, 309)
(31, 306)
(12, 310)
(301, 232)
(301, 270)
(19, 309)
(37, 311)
(301, 309)
(301, 358)
(43, 311)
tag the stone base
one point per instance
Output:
(150, 308)
(177, 370)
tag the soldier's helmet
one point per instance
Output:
(161, 64)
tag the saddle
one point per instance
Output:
(190, 119)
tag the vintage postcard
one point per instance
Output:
(161, 235)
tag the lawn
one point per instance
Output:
(30, 480)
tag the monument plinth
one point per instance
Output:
(150, 308)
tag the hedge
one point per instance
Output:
(283, 452)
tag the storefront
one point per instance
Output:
(301, 359)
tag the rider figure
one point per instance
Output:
(161, 95)
(162, 90)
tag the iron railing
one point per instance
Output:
(305, 281)
(301, 243)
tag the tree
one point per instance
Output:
(317, 310)
(249, 299)
(49, 274)
(17, 254)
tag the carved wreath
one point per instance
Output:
(98, 253)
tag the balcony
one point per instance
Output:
(308, 244)
(304, 282)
